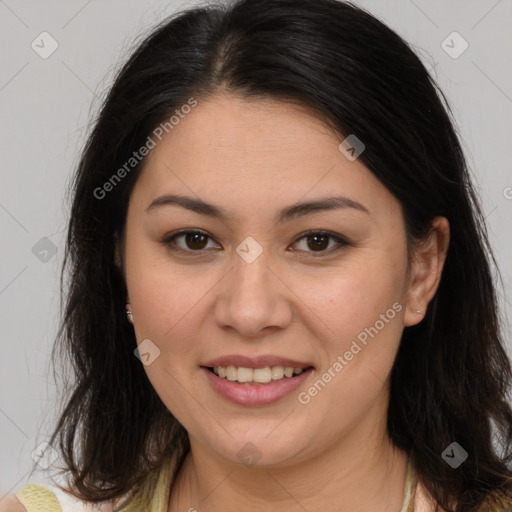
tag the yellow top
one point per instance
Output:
(36, 497)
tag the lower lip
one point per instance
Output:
(263, 394)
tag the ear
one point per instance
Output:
(427, 264)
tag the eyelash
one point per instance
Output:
(167, 241)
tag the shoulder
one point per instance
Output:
(50, 498)
(37, 497)
(11, 504)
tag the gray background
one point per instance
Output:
(46, 106)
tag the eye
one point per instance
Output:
(197, 241)
(319, 241)
(194, 240)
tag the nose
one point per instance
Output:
(253, 300)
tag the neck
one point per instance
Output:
(361, 472)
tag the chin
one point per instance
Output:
(256, 448)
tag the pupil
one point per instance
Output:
(192, 240)
(317, 244)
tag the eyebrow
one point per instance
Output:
(290, 212)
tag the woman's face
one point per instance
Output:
(256, 291)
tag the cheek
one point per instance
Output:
(363, 309)
(354, 297)
(166, 305)
(166, 301)
(363, 306)
(164, 297)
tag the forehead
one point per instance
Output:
(227, 127)
(241, 149)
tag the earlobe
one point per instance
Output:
(426, 270)
(129, 313)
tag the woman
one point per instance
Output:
(281, 293)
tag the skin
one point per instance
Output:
(332, 453)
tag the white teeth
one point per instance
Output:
(244, 375)
(256, 375)
(231, 373)
(288, 371)
(262, 375)
(277, 372)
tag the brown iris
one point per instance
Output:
(318, 242)
(194, 240)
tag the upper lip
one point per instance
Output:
(255, 362)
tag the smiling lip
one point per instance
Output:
(254, 362)
(255, 394)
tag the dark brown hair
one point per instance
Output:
(451, 378)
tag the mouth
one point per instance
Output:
(255, 382)
(257, 376)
